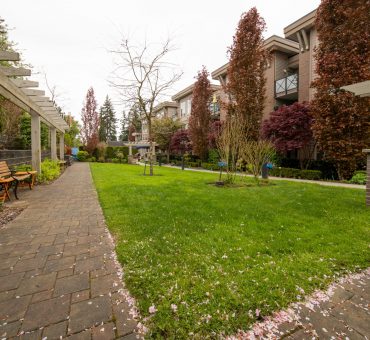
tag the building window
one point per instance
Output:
(188, 106)
(183, 108)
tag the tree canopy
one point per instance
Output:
(341, 120)
(246, 80)
(108, 121)
(200, 115)
(289, 127)
(90, 122)
(163, 130)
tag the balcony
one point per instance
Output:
(287, 88)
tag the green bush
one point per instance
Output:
(213, 156)
(82, 156)
(23, 167)
(311, 174)
(193, 164)
(295, 173)
(359, 177)
(210, 166)
(92, 159)
(50, 170)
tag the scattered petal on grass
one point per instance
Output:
(152, 309)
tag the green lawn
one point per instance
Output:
(219, 254)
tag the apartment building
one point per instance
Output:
(184, 97)
(291, 68)
(166, 109)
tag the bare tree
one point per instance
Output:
(143, 78)
(229, 145)
(256, 154)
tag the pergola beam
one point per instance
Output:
(38, 99)
(32, 92)
(16, 95)
(46, 104)
(15, 71)
(24, 83)
(9, 56)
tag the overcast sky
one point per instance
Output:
(69, 40)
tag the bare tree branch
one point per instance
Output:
(142, 78)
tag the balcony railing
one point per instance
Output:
(286, 85)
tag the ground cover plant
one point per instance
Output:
(206, 261)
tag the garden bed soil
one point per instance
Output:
(8, 213)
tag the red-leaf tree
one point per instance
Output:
(180, 142)
(90, 122)
(289, 127)
(341, 120)
(200, 115)
(246, 81)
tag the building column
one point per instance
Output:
(35, 142)
(53, 143)
(367, 151)
(61, 146)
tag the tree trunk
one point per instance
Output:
(151, 146)
(168, 156)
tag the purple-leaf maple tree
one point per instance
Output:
(180, 142)
(90, 122)
(200, 115)
(289, 127)
(341, 120)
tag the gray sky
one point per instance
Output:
(69, 40)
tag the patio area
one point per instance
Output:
(58, 272)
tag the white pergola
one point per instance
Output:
(361, 89)
(22, 93)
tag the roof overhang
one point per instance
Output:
(306, 23)
(189, 90)
(273, 43)
(276, 43)
(163, 105)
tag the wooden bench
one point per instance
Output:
(9, 178)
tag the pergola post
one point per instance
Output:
(61, 146)
(53, 143)
(35, 142)
(129, 158)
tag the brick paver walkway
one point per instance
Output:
(344, 315)
(58, 276)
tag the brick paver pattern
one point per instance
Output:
(346, 315)
(57, 274)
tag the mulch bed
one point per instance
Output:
(8, 214)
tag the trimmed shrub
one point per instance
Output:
(82, 156)
(295, 173)
(210, 166)
(50, 170)
(193, 164)
(311, 174)
(359, 177)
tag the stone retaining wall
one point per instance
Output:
(17, 157)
